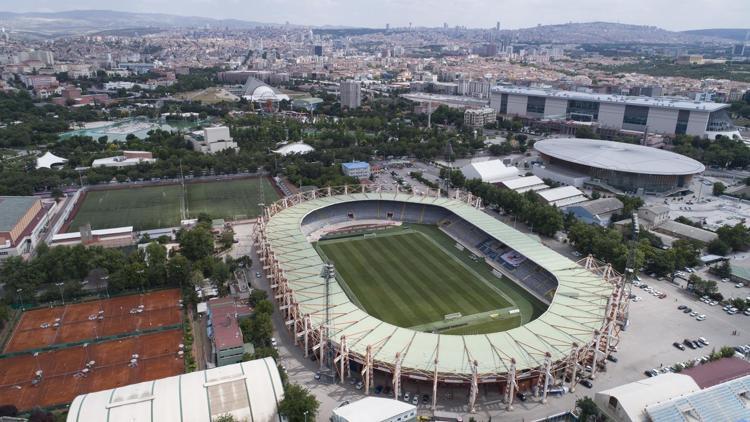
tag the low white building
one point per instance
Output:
(524, 184)
(128, 158)
(491, 171)
(628, 402)
(375, 409)
(358, 169)
(249, 391)
(213, 140)
(562, 196)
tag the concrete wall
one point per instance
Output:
(555, 107)
(662, 120)
(495, 99)
(610, 115)
(697, 123)
(517, 105)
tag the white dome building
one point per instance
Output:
(257, 91)
(300, 148)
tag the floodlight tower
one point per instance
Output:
(328, 272)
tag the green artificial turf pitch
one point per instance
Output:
(152, 207)
(414, 277)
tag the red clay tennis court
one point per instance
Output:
(92, 320)
(63, 377)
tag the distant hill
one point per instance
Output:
(608, 33)
(737, 34)
(97, 21)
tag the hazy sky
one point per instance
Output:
(669, 14)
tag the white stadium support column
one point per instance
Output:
(594, 359)
(307, 334)
(511, 383)
(397, 377)
(367, 370)
(474, 387)
(322, 344)
(573, 361)
(547, 375)
(342, 357)
(434, 386)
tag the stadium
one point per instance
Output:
(623, 166)
(404, 304)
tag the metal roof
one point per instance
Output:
(491, 171)
(619, 156)
(723, 402)
(678, 103)
(375, 409)
(559, 193)
(522, 182)
(12, 209)
(248, 391)
(577, 309)
(601, 205)
(355, 165)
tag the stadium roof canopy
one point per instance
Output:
(619, 156)
(492, 171)
(576, 311)
(248, 391)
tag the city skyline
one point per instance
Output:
(684, 15)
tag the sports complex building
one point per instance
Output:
(623, 166)
(662, 115)
(584, 304)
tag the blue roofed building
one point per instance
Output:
(358, 169)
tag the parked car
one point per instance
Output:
(651, 372)
(522, 396)
(678, 345)
(415, 400)
(703, 340)
(407, 396)
(425, 398)
(700, 317)
(359, 386)
(689, 343)
(586, 383)
(681, 307)
(687, 310)
(612, 358)
(739, 285)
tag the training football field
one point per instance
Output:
(414, 278)
(152, 207)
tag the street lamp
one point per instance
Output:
(60, 286)
(305, 415)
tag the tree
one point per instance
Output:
(588, 410)
(723, 270)
(719, 189)
(227, 238)
(225, 418)
(261, 329)
(726, 352)
(156, 259)
(298, 404)
(178, 270)
(196, 243)
(718, 247)
(264, 307)
(8, 410)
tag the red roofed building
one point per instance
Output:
(224, 315)
(717, 372)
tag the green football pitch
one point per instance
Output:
(414, 277)
(152, 207)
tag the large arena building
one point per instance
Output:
(585, 302)
(626, 167)
(662, 115)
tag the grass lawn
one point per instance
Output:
(415, 277)
(143, 207)
(152, 207)
(231, 199)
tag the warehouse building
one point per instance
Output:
(662, 115)
(562, 196)
(524, 184)
(491, 171)
(248, 391)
